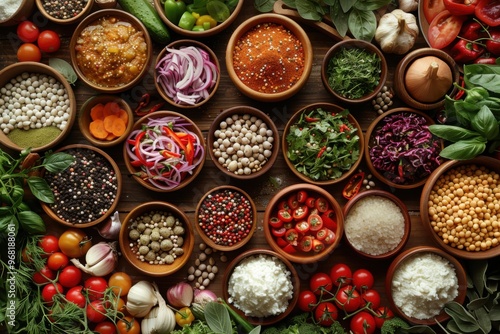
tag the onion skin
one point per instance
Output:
(428, 79)
(180, 295)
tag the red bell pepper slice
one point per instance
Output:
(275, 222)
(292, 236)
(169, 154)
(300, 212)
(189, 150)
(285, 216)
(460, 7)
(290, 249)
(306, 243)
(315, 222)
(488, 11)
(281, 242)
(137, 150)
(329, 220)
(303, 226)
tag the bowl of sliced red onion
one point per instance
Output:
(165, 151)
(187, 73)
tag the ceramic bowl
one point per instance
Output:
(86, 118)
(197, 34)
(222, 239)
(300, 114)
(73, 19)
(215, 73)
(369, 233)
(183, 124)
(279, 220)
(244, 114)
(101, 80)
(349, 44)
(22, 13)
(18, 69)
(86, 197)
(439, 256)
(294, 280)
(390, 177)
(257, 22)
(130, 253)
(431, 218)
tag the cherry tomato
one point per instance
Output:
(275, 222)
(120, 283)
(362, 279)
(96, 312)
(341, 274)
(444, 29)
(317, 245)
(315, 222)
(321, 204)
(57, 260)
(49, 41)
(49, 291)
(293, 203)
(29, 52)
(105, 327)
(43, 276)
(383, 313)
(432, 8)
(306, 243)
(75, 295)
(95, 287)
(74, 243)
(292, 236)
(310, 202)
(320, 282)
(285, 216)
(307, 300)
(363, 323)
(278, 232)
(27, 31)
(371, 296)
(325, 314)
(70, 276)
(300, 212)
(348, 298)
(488, 11)
(301, 196)
(330, 237)
(303, 227)
(128, 325)
(49, 244)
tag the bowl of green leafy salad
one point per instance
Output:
(323, 144)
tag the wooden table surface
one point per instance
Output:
(261, 189)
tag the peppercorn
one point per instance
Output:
(383, 100)
(64, 9)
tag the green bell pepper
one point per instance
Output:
(174, 10)
(187, 21)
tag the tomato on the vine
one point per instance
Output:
(307, 300)
(49, 244)
(363, 323)
(128, 325)
(70, 276)
(29, 52)
(43, 275)
(444, 29)
(120, 282)
(74, 243)
(325, 314)
(348, 298)
(95, 287)
(371, 296)
(320, 282)
(105, 327)
(362, 279)
(27, 31)
(76, 296)
(341, 274)
(57, 261)
(49, 291)
(49, 41)
(95, 311)
(383, 313)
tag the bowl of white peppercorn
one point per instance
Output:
(243, 142)
(156, 238)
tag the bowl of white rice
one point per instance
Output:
(376, 224)
(262, 286)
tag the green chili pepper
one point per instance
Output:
(476, 94)
(174, 10)
(187, 21)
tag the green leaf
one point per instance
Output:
(483, 320)
(31, 222)
(218, 318)
(495, 313)
(485, 123)
(290, 3)
(371, 4)
(346, 5)
(489, 81)
(464, 150)
(477, 303)
(339, 19)
(452, 133)
(420, 329)
(463, 319)
(64, 68)
(478, 269)
(452, 327)
(6, 218)
(40, 189)
(362, 24)
(57, 162)
(264, 6)
(307, 10)
(465, 112)
(256, 330)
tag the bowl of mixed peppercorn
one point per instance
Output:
(67, 12)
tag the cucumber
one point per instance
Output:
(147, 14)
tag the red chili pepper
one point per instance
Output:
(460, 7)
(343, 128)
(143, 103)
(493, 44)
(284, 216)
(488, 12)
(290, 249)
(301, 196)
(401, 169)
(275, 222)
(315, 222)
(318, 245)
(311, 119)
(310, 201)
(486, 60)
(471, 31)
(321, 151)
(329, 219)
(353, 185)
(300, 212)
(189, 150)
(464, 51)
(460, 92)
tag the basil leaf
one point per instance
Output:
(264, 6)
(289, 3)
(40, 189)
(464, 150)
(6, 218)
(218, 318)
(31, 222)
(465, 112)
(347, 5)
(489, 81)
(478, 270)
(307, 10)
(362, 24)
(57, 162)
(330, 2)
(451, 133)
(485, 123)
(371, 4)
(339, 19)
(64, 68)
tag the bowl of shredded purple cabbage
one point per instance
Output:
(400, 150)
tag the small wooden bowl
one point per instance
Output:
(400, 74)
(332, 108)
(294, 277)
(16, 69)
(156, 270)
(430, 186)
(354, 44)
(95, 17)
(239, 111)
(369, 143)
(177, 45)
(416, 251)
(22, 13)
(48, 210)
(219, 246)
(77, 18)
(85, 119)
(313, 191)
(404, 211)
(290, 25)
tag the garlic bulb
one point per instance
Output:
(111, 228)
(141, 298)
(161, 319)
(397, 32)
(101, 259)
(408, 5)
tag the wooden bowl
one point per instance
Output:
(22, 13)
(269, 320)
(17, 69)
(419, 251)
(238, 112)
(178, 45)
(134, 78)
(158, 4)
(386, 176)
(400, 74)
(156, 270)
(353, 44)
(371, 223)
(74, 19)
(432, 185)
(230, 224)
(330, 108)
(85, 119)
(289, 25)
(335, 223)
(119, 183)
(199, 159)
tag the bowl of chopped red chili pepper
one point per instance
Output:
(304, 223)
(226, 218)
(269, 57)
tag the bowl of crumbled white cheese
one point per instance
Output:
(262, 286)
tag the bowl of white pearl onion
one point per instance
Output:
(243, 142)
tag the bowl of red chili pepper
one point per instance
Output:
(165, 151)
(304, 223)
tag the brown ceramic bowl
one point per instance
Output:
(289, 25)
(198, 160)
(17, 69)
(22, 13)
(134, 77)
(197, 34)
(294, 278)
(73, 19)
(234, 114)
(432, 185)
(85, 119)
(329, 108)
(406, 62)
(251, 222)
(419, 251)
(334, 223)
(388, 177)
(353, 44)
(179, 44)
(156, 270)
(104, 216)
(372, 233)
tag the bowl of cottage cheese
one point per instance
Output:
(262, 286)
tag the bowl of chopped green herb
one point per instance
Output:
(322, 144)
(354, 71)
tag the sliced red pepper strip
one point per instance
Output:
(329, 220)
(321, 151)
(353, 185)
(311, 119)
(169, 154)
(137, 152)
(189, 150)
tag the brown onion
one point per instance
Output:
(428, 79)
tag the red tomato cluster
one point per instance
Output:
(303, 223)
(46, 41)
(345, 290)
